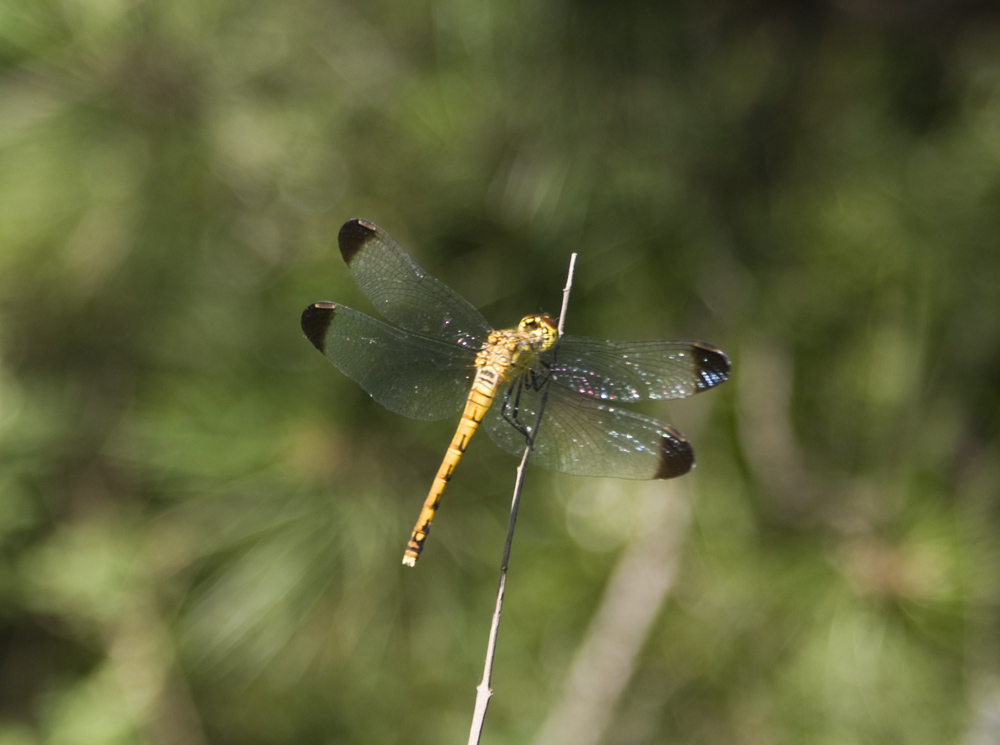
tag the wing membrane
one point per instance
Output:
(634, 371)
(403, 292)
(584, 437)
(412, 375)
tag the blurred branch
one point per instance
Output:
(142, 658)
(483, 690)
(606, 659)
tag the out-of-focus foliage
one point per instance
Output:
(202, 521)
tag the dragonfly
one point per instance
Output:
(439, 357)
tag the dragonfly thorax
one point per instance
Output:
(508, 352)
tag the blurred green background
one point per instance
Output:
(201, 521)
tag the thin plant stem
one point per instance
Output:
(483, 690)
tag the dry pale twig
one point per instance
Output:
(483, 690)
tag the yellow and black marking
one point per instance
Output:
(353, 236)
(316, 321)
(712, 365)
(676, 455)
(506, 354)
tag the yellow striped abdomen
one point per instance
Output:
(480, 398)
(506, 354)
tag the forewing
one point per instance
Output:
(638, 370)
(412, 375)
(584, 437)
(403, 292)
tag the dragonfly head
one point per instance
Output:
(542, 330)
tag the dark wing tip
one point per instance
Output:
(713, 365)
(353, 236)
(676, 455)
(315, 322)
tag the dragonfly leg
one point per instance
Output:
(510, 408)
(536, 379)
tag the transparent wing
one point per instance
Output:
(637, 370)
(412, 375)
(584, 437)
(403, 292)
